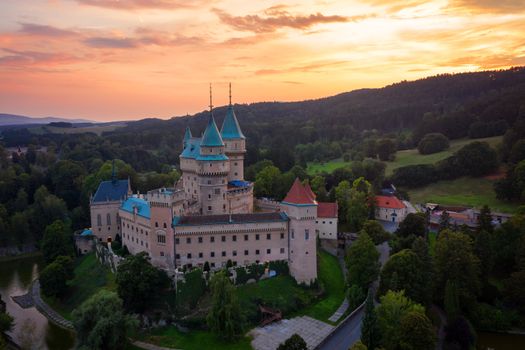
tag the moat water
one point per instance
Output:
(32, 330)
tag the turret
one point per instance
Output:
(301, 208)
(187, 137)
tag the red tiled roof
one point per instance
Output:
(309, 191)
(326, 210)
(389, 202)
(298, 194)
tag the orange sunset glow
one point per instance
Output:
(131, 59)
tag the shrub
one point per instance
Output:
(433, 143)
(415, 175)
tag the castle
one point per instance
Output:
(208, 216)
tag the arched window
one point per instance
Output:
(108, 219)
(99, 220)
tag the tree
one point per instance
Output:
(394, 306)
(460, 334)
(21, 200)
(100, 322)
(355, 296)
(514, 287)
(318, 185)
(225, 317)
(359, 346)
(361, 204)
(484, 250)
(433, 143)
(455, 260)
(444, 221)
(6, 320)
(268, 182)
(409, 272)
(57, 241)
(386, 149)
(20, 228)
(485, 220)
(53, 279)
(376, 231)
(370, 332)
(416, 332)
(138, 281)
(413, 224)
(362, 262)
(342, 195)
(451, 302)
(295, 342)
(477, 159)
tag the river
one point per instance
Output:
(31, 329)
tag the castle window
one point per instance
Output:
(99, 220)
(268, 236)
(200, 239)
(212, 239)
(200, 255)
(212, 254)
(234, 238)
(217, 191)
(293, 234)
(161, 239)
(257, 237)
(210, 165)
(156, 224)
(165, 225)
(330, 222)
(256, 251)
(246, 252)
(212, 264)
(177, 256)
(209, 196)
(223, 253)
(108, 219)
(316, 221)
(245, 237)
(161, 253)
(268, 251)
(188, 256)
(209, 182)
(235, 174)
(234, 253)
(209, 207)
(146, 244)
(188, 240)
(282, 235)
(235, 164)
(282, 250)
(306, 235)
(223, 238)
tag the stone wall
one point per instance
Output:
(106, 256)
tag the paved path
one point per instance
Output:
(339, 312)
(46, 310)
(311, 330)
(346, 334)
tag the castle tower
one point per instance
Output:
(301, 208)
(235, 143)
(212, 170)
(187, 137)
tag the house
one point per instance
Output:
(326, 222)
(390, 208)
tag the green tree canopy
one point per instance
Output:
(362, 261)
(295, 342)
(370, 331)
(57, 241)
(416, 332)
(376, 231)
(433, 143)
(225, 317)
(100, 322)
(138, 282)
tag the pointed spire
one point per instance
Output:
(230, 127)
(187, 136)
(299, 194)
(211, 102)
(211, 136)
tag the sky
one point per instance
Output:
(131, 59)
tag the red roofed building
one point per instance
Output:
(326, 222)
(390, 208)
(300, 194)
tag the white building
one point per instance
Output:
(390, 208)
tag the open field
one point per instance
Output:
(90, 277)
(95, 129)
(465, 191)
(403, 158)
(412, 156)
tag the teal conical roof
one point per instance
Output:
(187, 134)
(211, 137)
(230, 127)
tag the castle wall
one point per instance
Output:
(326, 228)
(136, 232)
(99, 219)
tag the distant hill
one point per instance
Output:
(13, 119)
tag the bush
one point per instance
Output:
(433, 143)
(482, 129)
(415, 175)
(280, 266)
(489, 318)
(191, 290)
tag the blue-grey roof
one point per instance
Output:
(211, 137)
(192, 148)
(111, 191)
(239, 183)
(142, 206)
(224, 219)
(86, 232)
(212, 157)
(230, 127)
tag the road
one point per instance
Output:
(350, 332)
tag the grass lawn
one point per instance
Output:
(403, 158)
(331, 277)
(90, 277)
(466, 191)
(412, 156)
(195, 340)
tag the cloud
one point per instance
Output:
(113, 43)
(311, 67)
(140, 4)
(17, 58)
(393, 6)
(500, 6)
(45, 30)
(277, 17)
